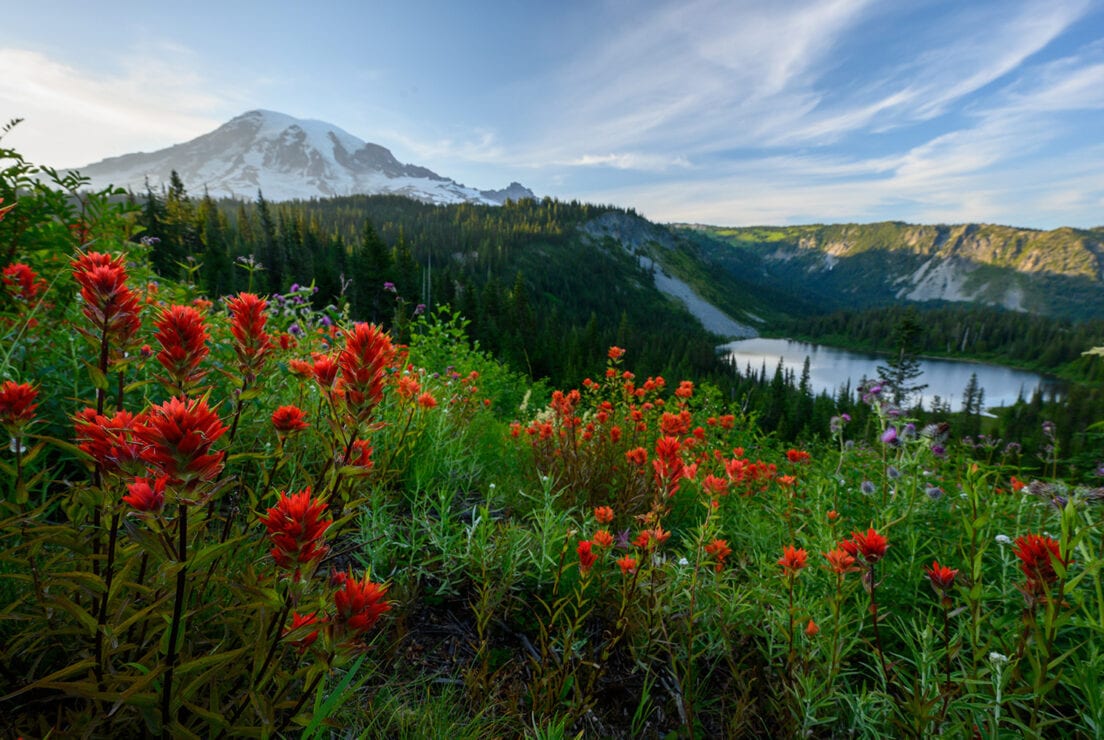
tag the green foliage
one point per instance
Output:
(519, 605)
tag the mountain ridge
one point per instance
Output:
(287, 158)
(869, 264)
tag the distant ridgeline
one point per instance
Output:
(1058, 273)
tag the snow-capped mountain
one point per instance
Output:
(287, 158)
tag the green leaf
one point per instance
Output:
(99, 380)
(145, 539)
(209, 660)
(78, 612)
(79, 667)
(211, 552)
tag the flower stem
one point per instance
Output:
(174, 626)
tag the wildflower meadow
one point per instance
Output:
(253, 515)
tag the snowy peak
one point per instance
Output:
(287, 158)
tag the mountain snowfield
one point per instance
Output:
(287, 158)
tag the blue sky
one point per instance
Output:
(728, 112)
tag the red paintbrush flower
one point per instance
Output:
(364, 363)
(603, 514)
(720, 550)
(146, 495)
(247, 325)
(871, 544)
(183, 336)
(178, 435)
(942, 578)
(668, 464)
(110, 440)
(299, 623)
(792, 560)
(109, 304)
(359, 604)
(362, 456)
(840, 561)
(289, 419)
(427, 401)
(603, 538)
(296, 527)
(797, 456)
(1037, 555)
(586, 556)
(408, 386)
(627, 564)
(17, 406)
(21, 282)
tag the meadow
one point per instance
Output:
(256, 516)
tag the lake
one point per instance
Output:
(830, 368)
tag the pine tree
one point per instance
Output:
(899, 374)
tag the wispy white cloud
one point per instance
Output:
(73, 117)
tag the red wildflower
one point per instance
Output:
(299, 624)
(183, 337)
(427, 401)
(108, 303)
(720, 550)
(792, 560)
(685, 389)
(643, 539)
(603, 538)
(17, 405)
(408, 387)
(362, 455)
(603, 514)
(668, 464)
(833, 515)
(615, 434)
(288, 419)
(324, 369)
(586, 557)
(110, 441)
(359, 604)
(871, 544)
(247, 325)
(146, 497)
(840, 561)
(941, 577)
(616, 353)
(179, 434)
(5, 209)
(1017, 484)
(1037, 554)
(786, 481)
(797, 456)
(296, 526)
(627, 564)
(675, 425)
(637, 456)
(363, 363)
(21, 282)
(811, 629)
